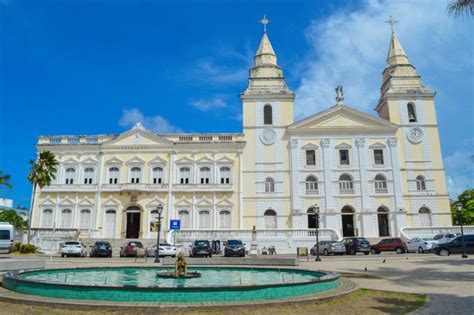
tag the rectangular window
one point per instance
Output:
(378, 156)
(344, 157)
(310, 157)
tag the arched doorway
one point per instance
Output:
(382, 218)
(347, 217)
(425, 217)
(311, 218)
(270, 219)
(133, 222)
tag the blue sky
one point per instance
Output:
(93, 67)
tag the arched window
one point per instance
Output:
(114, 174)
(88, 175)
(135, 175)
(383, 222)
(225, 175)
(420, 183)
(70, 174)
(85, 219)
(224, 219)
(269, 185)
(157, 176)
(184, 218)
(411, 112)
(184, 175)
(267, 115)
(205, 175)
(346, 186)
(425, 216)
(311, 185)
(47, 218)
(204, 219)
(270, 219)
(380, 184)
(66, 218)
(153, 221)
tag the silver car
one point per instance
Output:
(420, 245)
(329, 247)
(445, 237)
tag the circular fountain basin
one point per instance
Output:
(136, 284)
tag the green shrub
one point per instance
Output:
(27, 248)
(17, 247)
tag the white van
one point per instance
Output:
(6, 238)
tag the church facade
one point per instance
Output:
(367, 175)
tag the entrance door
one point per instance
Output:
(110, 224)
(348, 225)
(382, 218)
(133, 224)
(311, 221)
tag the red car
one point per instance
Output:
(395, 244)
(130, 249)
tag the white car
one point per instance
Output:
(73, 248)
(420, 245)
(165, 250)
(6, 238)
(445, 237)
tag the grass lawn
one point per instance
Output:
(362, 301)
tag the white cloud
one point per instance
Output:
(460, 169)
(156, 124)
(206, 105)
(350, 48)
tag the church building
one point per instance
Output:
(366, 175)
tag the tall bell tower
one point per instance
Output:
(267, 111)
(406, 102)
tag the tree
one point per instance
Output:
(467, 201)
(458, 8)
(13, 218)
(42, 172)
(5, 180)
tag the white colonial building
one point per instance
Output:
(369, 175)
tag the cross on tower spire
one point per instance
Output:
(264, 22)
(391, 21)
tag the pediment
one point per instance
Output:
(184, 160)
(66, 202)
(225, 203)
(110, 202)
(205, 160)
(204, 202)
(70, 160)
(157, 160)
(310, 146)
(86, 202)
(225, 160)
(377, 145)
(89, 160)
(114, 160)
(153, 204)
(183, 202)
(136, 160)
(48, 202)
(137, 136)
(342, 117)
(343, 145)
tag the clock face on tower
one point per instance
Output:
(415, 135)
(268, 136)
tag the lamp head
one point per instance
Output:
(159, 208)
(459, 206)
(316, 208)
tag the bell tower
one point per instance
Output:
(267, 111)
(406, 102)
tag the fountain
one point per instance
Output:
(181, 270)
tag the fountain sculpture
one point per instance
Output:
(181, 270)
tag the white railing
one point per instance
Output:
(202, 187)
(410, 232)
(70, 187)
(134, 187)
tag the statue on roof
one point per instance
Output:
(339, 95)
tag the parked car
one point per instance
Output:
(420, 245)
(130, 249)
(389, 245)
(234, 248)
(356, 245)
(165, 250)
(200, 248)
(445, 237)
(455, 246)
(6, 238)
(101, 249)
(328, 247)
(73, 248)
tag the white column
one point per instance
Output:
(170, 185)
(364, 188)
(400, 215)
(95, 213)
(240, 193)
(294, 175)
(325, 143)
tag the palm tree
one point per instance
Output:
(5, 180)
(43, 171)
(460, 7)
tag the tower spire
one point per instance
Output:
(396, 54)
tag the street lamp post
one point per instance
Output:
(459, 207)
(159, 209)
(316, 213)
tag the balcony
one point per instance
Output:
(311, 192)
(346, 191)
(134, 187)
(202, 187)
